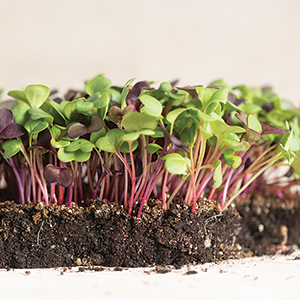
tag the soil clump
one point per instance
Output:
(103, 234)
(268, 224)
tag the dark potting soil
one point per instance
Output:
(268, 224)
(104, 235)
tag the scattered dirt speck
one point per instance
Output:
(191, 272)
(162, 270)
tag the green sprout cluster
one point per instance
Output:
(127, 144)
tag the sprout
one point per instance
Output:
(130, 144)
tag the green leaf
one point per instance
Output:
(205, 133)
(173, 114)
(77, 155)
(19, 95)
(230, 107)
(14, 143)
(135, 121)
(189, 135)
(229, 139)
(152, 106)
(81, 156)
(59, 144)
(220, 127)
(20, 113)
(233, 160)
(254, 124)
(153, 148)
(65, 156)
(94, 97)
(219, 96)
(70, 108)
(55, 132)
(125, 92)
(112, 141)
(244, 90)
(165, 87)
(250, 108)
(102, 101)
(201, 116)
(97, 135)
(125, 147)
(115, 95)
(11, 148)
(130, 137)
(204, 94)
(37, 113)
(82, 144)
(296, 163)
(10, 152)
(57, 111)
(158, 133)
(176, 164)
(35, 126)
(97, 84)
(84, 107)
(37, 94)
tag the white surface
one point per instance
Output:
(276, 277)
(62, 43)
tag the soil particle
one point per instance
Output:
(103, 234)
(162, 270)
(191, 272)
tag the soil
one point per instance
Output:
(103, 234)
(268, 224)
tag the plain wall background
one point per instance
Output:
(61, 43)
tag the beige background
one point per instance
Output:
(61, 43)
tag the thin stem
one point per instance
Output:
(18, 178)
(163, 191)
(181, 183)
(251, 180)
(132, 179)
(116, 190)
(149, 190)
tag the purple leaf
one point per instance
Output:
(76, 130)
(43, 141)
(97, 124)
(65, 177)
(12, 131)
(192, 91)
(134, 95)
(269, 129)
(171, 139)
(141, 85)
(242, 117)
(6, 117)
(252, 135)
(116, 114)
(237, 102)
(136, 91)
(51, 173)
(174, 82)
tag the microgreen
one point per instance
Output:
(127, 144)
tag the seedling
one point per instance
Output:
(130, 144)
